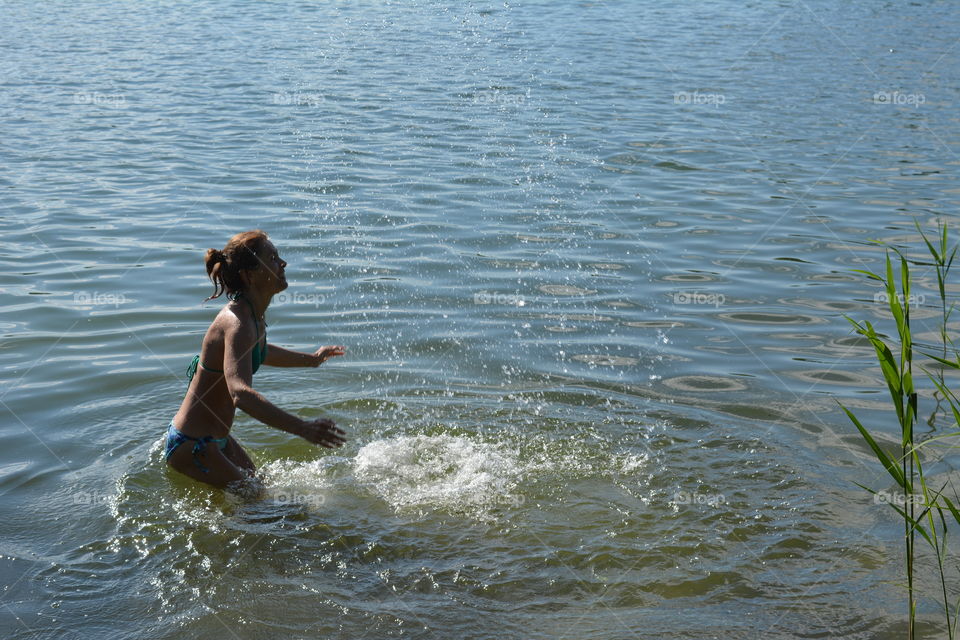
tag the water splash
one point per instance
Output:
(453, 471)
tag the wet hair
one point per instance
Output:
(224, 266)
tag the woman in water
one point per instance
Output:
(199, 445)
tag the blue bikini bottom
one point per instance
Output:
(175, 439)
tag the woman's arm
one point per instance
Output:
(280, 357)
(238, 373)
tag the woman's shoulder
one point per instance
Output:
(231, 320)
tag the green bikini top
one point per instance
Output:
(258, 355)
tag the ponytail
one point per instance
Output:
(224, 267)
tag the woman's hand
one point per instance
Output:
(323, 353)
(323, 432)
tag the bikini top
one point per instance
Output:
(258, 355)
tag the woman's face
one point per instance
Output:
(269, 276)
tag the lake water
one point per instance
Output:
(590, 261)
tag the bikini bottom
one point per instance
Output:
(176, 438)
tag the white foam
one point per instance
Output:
(439, 470)
(460, 473)
(299, 483)
(629, 463)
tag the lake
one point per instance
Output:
(591, 262)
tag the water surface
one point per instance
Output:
(591, 262)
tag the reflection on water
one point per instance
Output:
(704, 383)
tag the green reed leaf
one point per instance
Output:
(892, 467)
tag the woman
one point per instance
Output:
(199, 444)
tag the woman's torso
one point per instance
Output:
(207, 408)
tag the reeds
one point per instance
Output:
(925, 510)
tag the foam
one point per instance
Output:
(439, 470)
(308, 484)
(455, 473)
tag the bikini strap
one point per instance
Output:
(200, 446)
(253, 312)
(192, 369)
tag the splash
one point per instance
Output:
(456, 473)
(306, 484)
(450, 471)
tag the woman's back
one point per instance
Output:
(207, 407)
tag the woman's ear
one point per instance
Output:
(245, 278)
